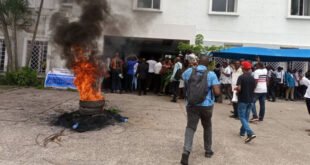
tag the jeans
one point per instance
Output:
(261, 97)
(194, 113)
(244, 110)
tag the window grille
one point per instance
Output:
(38, 55)
(298, 65)
(2, 55)
(300, 7)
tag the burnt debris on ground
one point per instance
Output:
(80, 122)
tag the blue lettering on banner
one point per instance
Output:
(59, 81)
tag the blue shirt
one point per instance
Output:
(130, 67)
(212, 81)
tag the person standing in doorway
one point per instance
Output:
(157, 79)
(150, 77)
(175, 78)
(245, 88)
(142, 72)
(202, 110)
(116, 73)
(131, 62)
(260, 76)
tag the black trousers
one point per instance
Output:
(235, 106)
(175, 89)
(129, 79)
(150, 81)
(157, 83)
(142, 86)
(308, 104)
(194, 113)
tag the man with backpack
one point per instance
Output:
(201, 86)
(175, 78)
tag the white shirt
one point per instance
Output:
(296, 77)
(135, 68)
(280, 75)
(157, 67)
(224, 78)
(151, 65)
(234, 77)
(260, 75)
(306, 82)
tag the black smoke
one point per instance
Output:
(84, 32)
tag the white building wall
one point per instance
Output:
(256, 23)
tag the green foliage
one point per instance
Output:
(15, 12)
(23, 77)
(199, 47)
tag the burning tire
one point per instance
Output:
(91, 107)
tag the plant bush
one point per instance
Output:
(23, 77)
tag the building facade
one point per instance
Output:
(152, 27)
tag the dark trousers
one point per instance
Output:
(235, 106)
(194, 113)
(261, 97)
(157, 83)
(228, 91)
(175, 89)
(308, 104)
(129, 79)
(272, 92)
(115, 80)
(280, 90)
(142, 86)
(150, 81)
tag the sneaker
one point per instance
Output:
(209, 154)
(254, 119)
(250, 138)
(174, 101)
(242, 135)
(184, 159)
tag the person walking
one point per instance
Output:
(306, 82)
(245, 88)
(175, 79)
(206, 88)
(142, 72)
(260, 76)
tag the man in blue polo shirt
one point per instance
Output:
(201, 111)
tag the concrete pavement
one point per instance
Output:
(153, 135)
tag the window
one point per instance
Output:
(228, 6)
(148, 4)
(300, 7)
(2, 55)
(39, 55)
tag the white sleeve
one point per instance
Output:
(256, 75)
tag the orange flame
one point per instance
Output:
(86, 74)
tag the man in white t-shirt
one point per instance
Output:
(150, 77)
(305, 81)
(260, 76)
(236, 73)
(226, 80)
(157, 78)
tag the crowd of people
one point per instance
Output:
(242, 82)
(159, 76)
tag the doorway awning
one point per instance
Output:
(265, 54)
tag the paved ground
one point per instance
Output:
(153, 135)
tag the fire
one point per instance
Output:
(86, 74)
